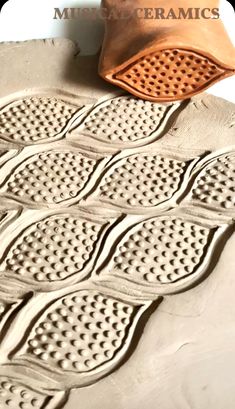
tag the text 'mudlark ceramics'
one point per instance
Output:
(164, 59)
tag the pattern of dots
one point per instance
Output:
(81, 331)
(35, 119)
(17, 396)
(162, 251)
(51, 177)
(215, 185)
(143, 180)
(170, 73)
(53, 249)
(125, 119)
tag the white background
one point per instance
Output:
(28, 19)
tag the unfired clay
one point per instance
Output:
(117, 243)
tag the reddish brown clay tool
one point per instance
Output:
(165, 59)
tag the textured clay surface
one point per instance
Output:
(117, 240)
(17, 395)
(164, 59)
(35, 119)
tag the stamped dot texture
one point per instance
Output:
(162, 251)
(215, 185)
(93, 328)
(35, 119)
(51, 177)
(125, 120)
(14, 395)
(142, 180)
(52, 249)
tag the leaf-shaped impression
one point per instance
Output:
(83, 335)
(126, 121)
(144, 180)
(214, 187)
(170, 74)
(37, 119)
(16, 395)
(50, 177)
(163, 254)
(52, 249)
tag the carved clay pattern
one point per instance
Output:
(61, 340)
(52, 250)
(162, 252)
(79, 338)
(214, 187)
(148, 165)
(181, 73)
(50, 177)
(96, 238)
(126, 121)
(142, 180)
(36, 119)
(16, 395)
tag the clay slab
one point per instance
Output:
(117, 240)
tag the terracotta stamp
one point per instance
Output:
(160, 59)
